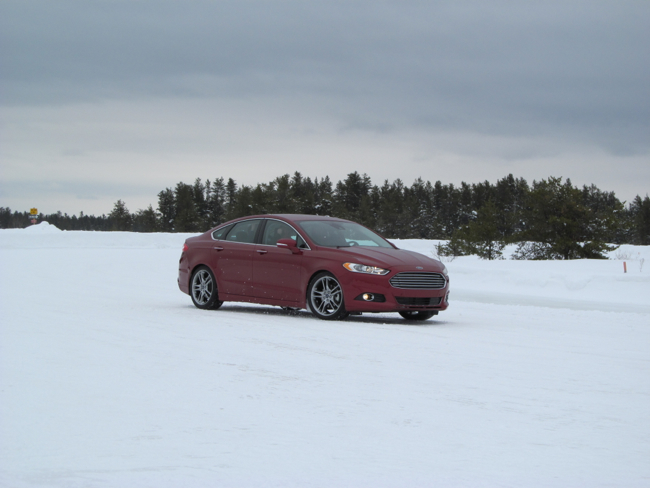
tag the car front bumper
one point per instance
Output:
(355, 285)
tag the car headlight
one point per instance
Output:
(444, 270)
(362, 268)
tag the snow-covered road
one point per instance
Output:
(537, 375)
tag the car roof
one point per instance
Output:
(295, 217)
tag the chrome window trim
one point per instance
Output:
(260, 244)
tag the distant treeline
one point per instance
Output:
(516, 210)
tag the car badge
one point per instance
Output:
(419, 267)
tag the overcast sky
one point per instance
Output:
(107, 100)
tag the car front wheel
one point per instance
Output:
(417, 315)
(325, 297)
(203, 289)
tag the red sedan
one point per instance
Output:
(332, 267)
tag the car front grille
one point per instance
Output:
(419, 301)
(418, 281)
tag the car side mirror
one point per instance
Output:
(290, 244)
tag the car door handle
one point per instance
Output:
(261, 251)
(217, 248)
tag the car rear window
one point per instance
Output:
(220, 234)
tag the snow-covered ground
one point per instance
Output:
(537, 375)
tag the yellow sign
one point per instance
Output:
(33, 211)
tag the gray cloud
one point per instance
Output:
(497, 67)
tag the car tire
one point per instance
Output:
(203, 289)
(417, 315)
(325, 297)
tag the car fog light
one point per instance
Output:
(371, 297)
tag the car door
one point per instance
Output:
(277, 271)
(233, 258)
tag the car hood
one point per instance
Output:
(391, 258)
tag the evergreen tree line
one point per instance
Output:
(471, 215)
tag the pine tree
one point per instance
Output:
(244, 206)
(482, 193)
(561, 225)
(231, 199)
(323, 202)
(302, 193)
(186, 217)
(120, 218)
(5, 218)
(167, 210)
(348, 195)
(307, 203)
(216, 203)
(200, 194)
(283, 203)
(469, 202)
(450, 213)
(640, 210)
(260, 201)
(510, 196)
(481, 236)
(427, 214)
(146, 220)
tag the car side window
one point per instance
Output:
(244, 231)
(276, 230)
(220, 234)
(301, 243)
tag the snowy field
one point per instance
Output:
(538, 375)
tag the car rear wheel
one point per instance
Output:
(417, 315)
(203, 289)
(325, 297)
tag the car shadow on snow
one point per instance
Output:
(368, 318)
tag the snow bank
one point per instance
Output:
(41, 228)
(585, 284)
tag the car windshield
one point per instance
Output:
(341, 234)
